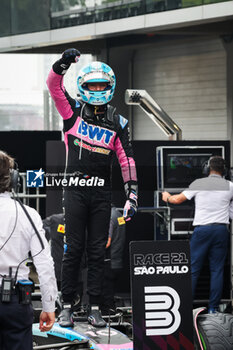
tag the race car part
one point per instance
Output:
(213, 331)
(83, 333)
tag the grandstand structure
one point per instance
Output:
(179, 51)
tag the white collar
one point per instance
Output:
(5, 194)
(214, 175)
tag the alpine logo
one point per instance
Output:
(95, 132)
(161, 310)
(122, 121)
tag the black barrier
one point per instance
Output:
(161, 295)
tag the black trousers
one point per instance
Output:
(15, 325)
(87, 216)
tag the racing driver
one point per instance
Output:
(93, 132)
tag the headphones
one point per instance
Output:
(15, 178)
(15, 185)
(206, 166)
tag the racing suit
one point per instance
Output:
(91, 134)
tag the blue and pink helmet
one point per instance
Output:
(96, 72)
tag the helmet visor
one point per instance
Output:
(96, 77)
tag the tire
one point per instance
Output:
(216, 331)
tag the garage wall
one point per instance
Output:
(188, 79)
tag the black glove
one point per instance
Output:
(131, 206)
(70, 56)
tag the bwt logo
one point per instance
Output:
(35, 178)
(161, 310)
(95, 132)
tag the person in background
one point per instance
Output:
(55, 231)
(213, 197)
(54, 226)
(93, 133)
(113, 261)
(17, 238)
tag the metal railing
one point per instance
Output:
(110, 10)
(31, 196)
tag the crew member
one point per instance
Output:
(55, 231)
(93, 132)
(17, 239)
(54, 227)
(113, 261)
(213, 206)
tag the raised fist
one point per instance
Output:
(70, 56)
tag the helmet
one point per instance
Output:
(96, 72)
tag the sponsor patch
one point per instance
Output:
(121, 220)
(101, 150)
(61, 228)
(93, 132)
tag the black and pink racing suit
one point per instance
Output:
(92, 135)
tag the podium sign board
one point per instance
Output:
(161, 295)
